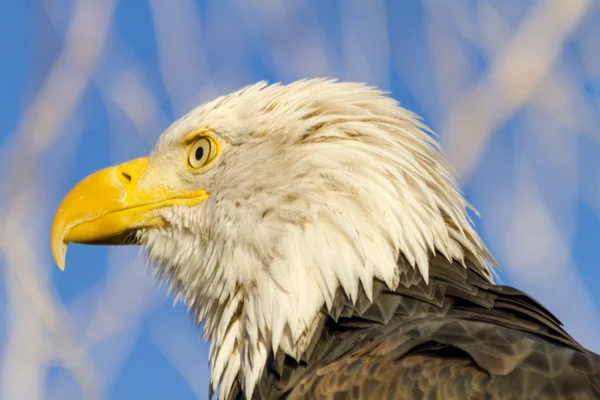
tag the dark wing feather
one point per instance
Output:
(447, 358)
(458, 337)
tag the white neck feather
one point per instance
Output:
(360, 184)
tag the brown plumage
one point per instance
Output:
(459, 337)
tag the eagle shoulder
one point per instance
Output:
(457, 337)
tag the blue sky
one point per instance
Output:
(536, 173)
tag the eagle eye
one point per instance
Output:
(201, 152)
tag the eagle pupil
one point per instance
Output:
(199, 153)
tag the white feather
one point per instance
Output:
(319, 186)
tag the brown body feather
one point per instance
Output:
(458, 337)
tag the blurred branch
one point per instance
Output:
(179, 345)
(538, 249)
(181, 52)
(20, 260)
(137, 102)
(39, 129)
(119, 307)
(63, 88)
(511, 80)
(296, 45)
(560, 94)
(365, 45)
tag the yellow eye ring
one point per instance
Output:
(202, 151)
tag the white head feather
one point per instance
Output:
(319, 185)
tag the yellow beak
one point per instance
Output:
(109, 205)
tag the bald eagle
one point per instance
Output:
(317, 232)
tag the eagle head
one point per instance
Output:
(258, 207)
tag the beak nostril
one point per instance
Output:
(126, 176)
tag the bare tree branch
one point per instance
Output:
(511, 80)
(41, 127)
